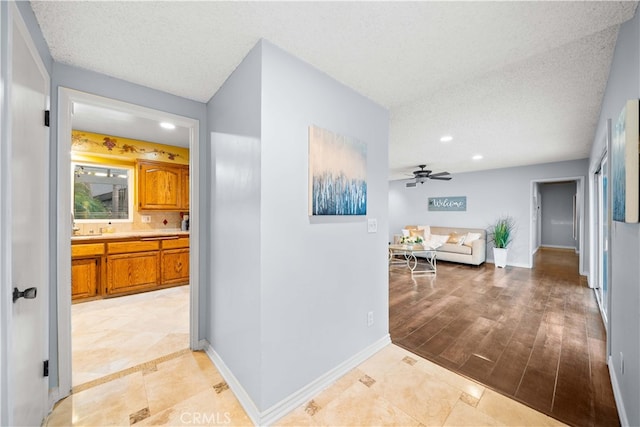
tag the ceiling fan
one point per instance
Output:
(423, 174)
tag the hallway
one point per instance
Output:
(533, 335)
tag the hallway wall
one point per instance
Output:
(557, 214)
(624, 329)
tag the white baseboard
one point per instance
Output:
(617, 394)
(560, 247)
(509, 264)
(298, 398)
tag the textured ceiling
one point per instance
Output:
(517, 82)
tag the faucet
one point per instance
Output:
(74, 227)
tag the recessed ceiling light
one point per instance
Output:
(167, 125)
(477, 157)
(446, 138)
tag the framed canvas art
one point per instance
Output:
(625, 166)
(337, 174)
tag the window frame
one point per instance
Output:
(130, 191)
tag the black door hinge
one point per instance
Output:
(46, 117)
(45, 370)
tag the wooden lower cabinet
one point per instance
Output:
(85, 277)
(175, 266)
(132, 272)
(125, 266)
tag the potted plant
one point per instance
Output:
(500, 235)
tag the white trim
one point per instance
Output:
(296, 399)
(66, 97)
(560, 247)
(5, 213)
(617, 394)
(510, 264)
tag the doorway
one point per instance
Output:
(67, 99)
(568, 224)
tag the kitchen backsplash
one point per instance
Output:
(173, 220)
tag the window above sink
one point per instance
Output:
(102, 193)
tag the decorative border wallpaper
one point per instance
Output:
(127, 148)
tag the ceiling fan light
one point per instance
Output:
(446, 138)
(477, 157)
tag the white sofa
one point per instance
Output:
(473, 253)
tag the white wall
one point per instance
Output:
(320, 275)
(557, 214)
(233, 315)
(490, 194)
(289, 293)
(624, 318)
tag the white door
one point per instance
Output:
(27, 171)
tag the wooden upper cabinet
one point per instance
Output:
(161, 186)
(185, 187)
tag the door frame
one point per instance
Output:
(11, 16)
(595, 230)
(534, 224)
(66, 97)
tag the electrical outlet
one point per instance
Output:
(145, 218)
(370, 318)
(621, 363)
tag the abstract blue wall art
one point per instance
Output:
(625, 169)
(337, 174)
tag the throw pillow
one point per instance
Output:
(405, 232)
(440, 239)
(416, 233)
(470, 238)
(454, 238)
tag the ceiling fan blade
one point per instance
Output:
(441, 178)
(440, 174)
(411, 184)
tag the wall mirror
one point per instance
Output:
(102, 193)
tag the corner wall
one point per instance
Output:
(624, 314)
(490, 194)
(233, 319)
(290, 293)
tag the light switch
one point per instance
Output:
(372, 225)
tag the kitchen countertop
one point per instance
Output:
(129, 235)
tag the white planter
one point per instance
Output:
(500, 257)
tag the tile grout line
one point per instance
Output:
(128, 371)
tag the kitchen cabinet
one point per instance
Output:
(162, 186)
(86, 270)
(85, 278)
(175, 261)
(132, 266)
(111, 266)
(185, 188)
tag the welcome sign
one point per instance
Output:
(452, 204)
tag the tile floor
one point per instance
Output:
(393, 387)
(115, 334)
